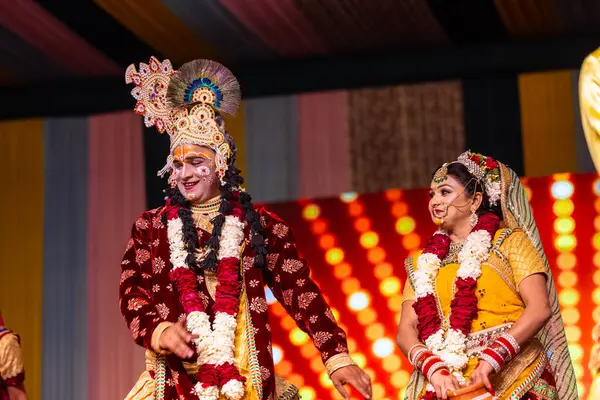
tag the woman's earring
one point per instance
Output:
(473, 219)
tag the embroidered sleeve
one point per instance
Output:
(523, 257)
(135, 288)
(409, 292)
(11, 360)
(288, 276)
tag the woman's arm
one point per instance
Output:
(408, 335)
(537, 308)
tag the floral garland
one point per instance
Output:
(217, 372)
(487, 170)
(450, 344)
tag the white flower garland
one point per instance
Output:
(450, 346)
(216, 344)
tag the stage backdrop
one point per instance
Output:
(356, 245)
(74, 186)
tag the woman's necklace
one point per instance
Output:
(453, 250)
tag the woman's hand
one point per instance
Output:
(442, 381)
(482, 374)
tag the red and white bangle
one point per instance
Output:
(504, 349)
(420, 349)
(427, 363)
(431, 366)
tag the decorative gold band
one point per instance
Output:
(338, 361)
(155, 344)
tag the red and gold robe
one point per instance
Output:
(148, 303)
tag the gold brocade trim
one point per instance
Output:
(504, 270)
(211, 283)
(155, 342)
(478, 341)
(253, 353)
(544, 391)
(284, 390)
(511, 371)
(338, 361)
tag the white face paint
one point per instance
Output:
(194, 173)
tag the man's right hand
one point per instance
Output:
(177, 340)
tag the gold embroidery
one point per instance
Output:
(211, 283)
(338, 361)
(480, 340)
(511, 371)
(155, 342)
(544, 391)
(503, 270)
(523, 257)
(284, 390)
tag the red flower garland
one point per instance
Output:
(227, 300)
(426, 307)
(463, 308)
(186, 284)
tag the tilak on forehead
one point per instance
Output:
(187, 104)
(182, 153)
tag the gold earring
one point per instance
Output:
(473, 219)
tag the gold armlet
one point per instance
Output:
(155, 344)
(338, 361)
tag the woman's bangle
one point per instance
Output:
(410, 359)
(504, 349)
(418, 353)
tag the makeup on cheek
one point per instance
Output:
(203, 170)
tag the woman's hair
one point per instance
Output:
(472, 186)
(232, 181)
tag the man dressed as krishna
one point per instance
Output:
(194, 271)
(480, 309)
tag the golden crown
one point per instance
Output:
(187, 104)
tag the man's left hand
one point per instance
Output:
(355, 377)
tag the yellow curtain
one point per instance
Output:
(21, 239)
(235, 127)
(156, 25)
(548, 123)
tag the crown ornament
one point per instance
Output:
(187, 104)
(486, 170)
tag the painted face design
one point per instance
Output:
(194, 172)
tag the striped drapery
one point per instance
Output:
(116, 198)
(64, 357)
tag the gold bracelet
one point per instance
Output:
(338, 361)
(155, 343)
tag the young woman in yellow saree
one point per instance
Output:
(479, 302)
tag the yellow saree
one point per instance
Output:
(517, 253)
(513, 259)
